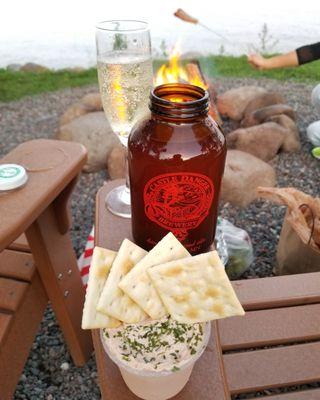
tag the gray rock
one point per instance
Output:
(89, 103)
(14, 67)
(33, 67)
(243, 174)
(74, 69)
(95, 133)
(264, 141)
(234, 102)
(92, 100)
(65, 366)
(116, 162)
(23, 378)
(292, 142)
(190, 55)
(263, 100)
(285, 122)
(262, 114)
(73, 112)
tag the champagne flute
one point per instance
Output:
(125, 79)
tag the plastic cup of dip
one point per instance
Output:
(157, 385)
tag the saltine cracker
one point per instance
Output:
(137, 283)
(196, 289)
(113, 301)
(101, 262)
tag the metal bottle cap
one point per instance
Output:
(12, 176)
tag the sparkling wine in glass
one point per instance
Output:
(125, 79)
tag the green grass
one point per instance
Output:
(239, 67)
(14, 85)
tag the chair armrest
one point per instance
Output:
(52, 166)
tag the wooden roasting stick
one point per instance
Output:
(188, 18)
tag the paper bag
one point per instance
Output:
(299, 244)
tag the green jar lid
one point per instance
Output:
(316, 152)
(12, 176)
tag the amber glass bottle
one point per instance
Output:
(176, 161)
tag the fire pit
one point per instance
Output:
(189, 71)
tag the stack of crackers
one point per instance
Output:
(133, 285)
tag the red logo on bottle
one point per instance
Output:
(178, 201)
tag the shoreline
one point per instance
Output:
(59, 52)
(18, 84)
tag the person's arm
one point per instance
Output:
(281, 61)
(297, 57)
(308, 53)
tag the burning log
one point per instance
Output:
(196, 76)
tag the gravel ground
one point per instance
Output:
(49, 373)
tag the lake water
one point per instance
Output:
(61, 33)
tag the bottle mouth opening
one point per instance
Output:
(179, 100)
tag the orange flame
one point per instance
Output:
(175, 72)
(118, 101)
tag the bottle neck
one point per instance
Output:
(179, 101)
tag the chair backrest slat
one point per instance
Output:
(11, 294)
(271, 327)
(252, 371)
(311, 394)
(280, 291)
(16, 265)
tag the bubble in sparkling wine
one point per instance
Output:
(125, 82)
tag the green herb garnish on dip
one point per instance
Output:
(163, 345)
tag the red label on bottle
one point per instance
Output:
(178, 201)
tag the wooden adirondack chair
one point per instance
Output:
(44, 266)
(275, 345)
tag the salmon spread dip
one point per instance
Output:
(163, 345)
